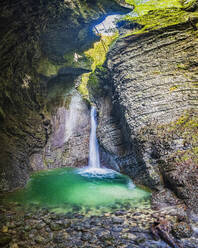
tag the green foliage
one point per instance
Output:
(189, 4)
(82, 88)
(47, 68)
(93, 81)
(156, 14)
(186, 127)
(97, 55)
(142, 7)
(99, 51)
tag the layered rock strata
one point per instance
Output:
(40, 41)
(151, 79)
(68, 143)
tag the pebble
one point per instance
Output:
(131, 236)
(122, 228)
(86, 236)
(4, 229)
(39, 239)
(4, 239)
(117, 220)
(14, 245)
(55, 227)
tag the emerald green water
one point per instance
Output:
(64, 189)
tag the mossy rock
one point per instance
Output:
(5, 239)
(93, 81)
(190, 5)
(96, 81)
(158, 14)
(182, 230)
(96, 54)
(47, 68)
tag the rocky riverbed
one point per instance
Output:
(119, 228)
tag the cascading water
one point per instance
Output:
(91, 188)
(94, 158)
(94, 169)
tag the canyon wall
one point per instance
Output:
(68, 143)
(146, 94)
(151, 79)
(40, 41)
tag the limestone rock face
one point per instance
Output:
(39, 41)
(68, 144)
(152, 83)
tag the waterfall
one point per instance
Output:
(71, 117)
(93, 169)
(94, 159)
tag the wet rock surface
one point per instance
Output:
(151, 81)
(39, 42)
(68, 143)
(120, 228)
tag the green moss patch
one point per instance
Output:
(143, 7)
(47, 68)
(189, 4)
(177, 139)
(174, 88)
(97, 55)
(74, 60)
(155, 14)
(185, 128)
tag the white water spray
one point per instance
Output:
(94, 158)
(93, 169)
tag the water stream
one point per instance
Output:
(91, 187)
(94, 169)
(94, 158)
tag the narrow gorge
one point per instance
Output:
(129, 65)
